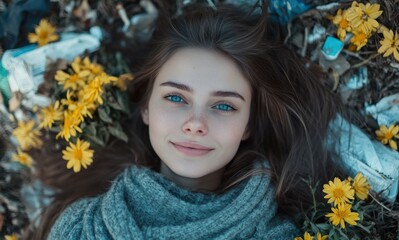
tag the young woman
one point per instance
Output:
(227, 124)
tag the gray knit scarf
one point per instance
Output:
(142, 204)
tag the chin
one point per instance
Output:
(189, 173)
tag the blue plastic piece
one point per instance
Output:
(332, 47)
(4, 87)
(282, 11)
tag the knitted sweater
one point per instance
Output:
(142, 204)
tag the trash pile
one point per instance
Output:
(354, 44)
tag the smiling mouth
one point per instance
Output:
(191, 150)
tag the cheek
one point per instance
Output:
(162, 119)
(229, 132)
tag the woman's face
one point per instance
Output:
(198, 112)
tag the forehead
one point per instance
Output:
(206, 69)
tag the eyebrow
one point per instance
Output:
(216, 93)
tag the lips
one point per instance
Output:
(191, 149)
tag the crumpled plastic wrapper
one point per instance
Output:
(26, 66)
(386, 111)
(359, 153)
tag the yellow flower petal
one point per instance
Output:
(361, 186)
(78, 155)
(393, 144)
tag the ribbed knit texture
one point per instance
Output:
(142, 204)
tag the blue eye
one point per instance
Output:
(224, 107)
(175, 98)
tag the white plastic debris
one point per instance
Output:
(32, 59)
(359, 153)
(359, 79)
(123, 15)
(97, 32)
(386, 111)
(318, 33)
(327, 7)
(26, 66)
(142, 24)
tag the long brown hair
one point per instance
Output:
(290, 112)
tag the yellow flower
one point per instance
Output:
(343, 214)
(10, 237)
(26, 136)
(342, 23)
(105, 79)
(50, 114)
(363, 16)
(361, 186)
(94, 68)
(79, 111)
(70, 127)
(73, 81)
(93, 92)
(390, 44)
(382, 29)
(386, 135)
(44, 33)
(22, 158)
(121, 83)
(321, 237)
(338, 191)
(91, 106)
(359, 39)
(306, 236)
(69, 101)
(348, 180)
(78, 155)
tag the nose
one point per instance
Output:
(196, 126)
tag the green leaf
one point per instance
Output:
(123, 100)
(94, 140)
(91, 129)
(118, 132)
(323, 226)
(115, 106)
(314, 227)
(103, 134)
(103, 115)
(342, 234)
(83, 125)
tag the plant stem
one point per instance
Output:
(365, 61)
(314, 198)
(381, 204)
(363, 227)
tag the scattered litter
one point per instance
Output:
(359, 153)
(332, 47)
(386, 111)
(327, 7)
(26, 66)
(318, 33)
(284, 11)
(358, 79)
(142, 25)
(339, 65)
